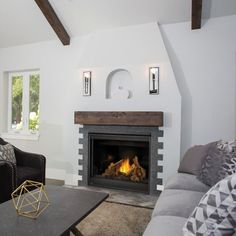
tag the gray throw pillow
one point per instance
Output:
(216, 212)
(193, 159)
(7, 153)
(219, 163)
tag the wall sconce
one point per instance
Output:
(87, 75)
(154, 80)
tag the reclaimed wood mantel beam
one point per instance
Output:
(196, 14)
(141, 118)
(54, 21)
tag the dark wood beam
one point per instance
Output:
(196, 14)
(141, 118)
(54, 21)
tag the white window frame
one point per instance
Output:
(25, 132)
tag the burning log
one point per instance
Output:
(138, 174)
(122, 168)
(113, 169)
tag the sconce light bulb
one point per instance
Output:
(87, 75)
(153, 70)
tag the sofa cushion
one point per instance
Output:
(175, 202)
(27, 173)
(7, 153)
(186, 182)
(193, 159)
(216, 212)
(165, 226)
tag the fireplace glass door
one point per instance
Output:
(119, 161)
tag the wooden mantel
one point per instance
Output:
(140, 118)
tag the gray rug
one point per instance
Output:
(112, 219)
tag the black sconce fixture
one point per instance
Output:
(154, 80)
(87, 75)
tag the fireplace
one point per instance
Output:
(119, 161)
(107, 139)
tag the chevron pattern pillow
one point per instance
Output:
(7, 153)
(216, 212)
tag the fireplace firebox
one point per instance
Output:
(119, 161)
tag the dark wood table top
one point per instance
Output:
(67, 208)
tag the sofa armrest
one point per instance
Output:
(7, 180)
(32, 160)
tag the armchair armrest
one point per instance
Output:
(32, 160)
(7, 180)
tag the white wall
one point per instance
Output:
(203, 62)
(58, 66)
(134, 48)
(204, 65)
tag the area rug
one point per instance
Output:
(114, 219)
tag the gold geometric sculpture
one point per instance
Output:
(30, 199)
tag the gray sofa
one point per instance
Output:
(181, 195)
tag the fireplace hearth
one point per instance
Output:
(119, 161)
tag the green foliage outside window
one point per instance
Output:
(34, 103)
(17, 96)
(17, 102)
(34, 121)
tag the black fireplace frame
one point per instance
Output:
(111, 183)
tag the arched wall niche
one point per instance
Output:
(119, 84)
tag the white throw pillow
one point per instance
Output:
(215, 214)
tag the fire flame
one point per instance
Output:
(125, 167)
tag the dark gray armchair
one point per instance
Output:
(29, 166)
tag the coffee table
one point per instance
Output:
(67, 208)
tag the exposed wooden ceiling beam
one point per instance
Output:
(196, 14)
(54, 21)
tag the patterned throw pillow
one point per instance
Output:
(215, 214)
(227, 146)
(7, 153)
(229, 165)
(219, 163)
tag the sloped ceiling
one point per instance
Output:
(22, 22)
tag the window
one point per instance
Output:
(23, 102)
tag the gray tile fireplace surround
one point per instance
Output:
(155, 158)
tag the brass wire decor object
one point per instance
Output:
(30, 203)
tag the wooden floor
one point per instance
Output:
(55, 182)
